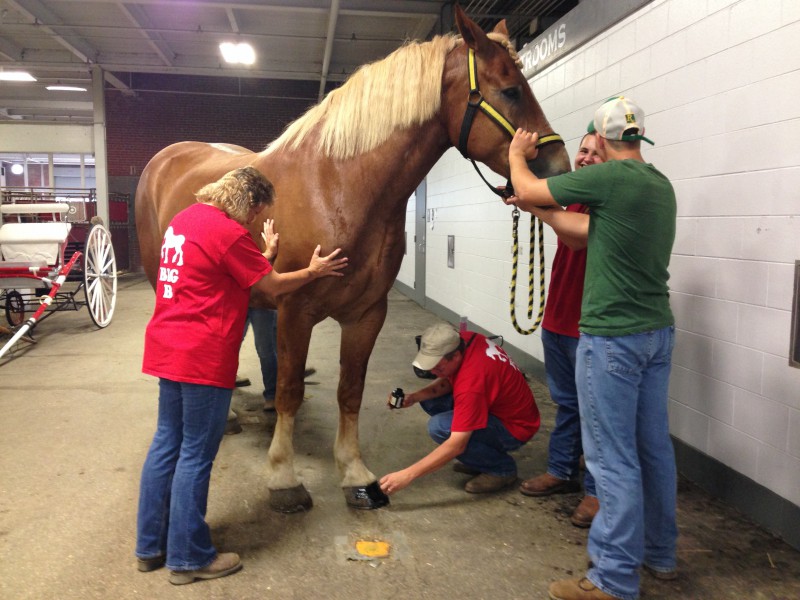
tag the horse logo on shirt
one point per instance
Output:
(494, 352)
(173, 242)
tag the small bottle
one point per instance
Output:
(397, 398)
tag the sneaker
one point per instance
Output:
(585, 512)
(225, 564)
(309, 372)
(546, 484)
(241, 381)
(460, 467)
(145, 565)
(662, 575)
(485, 483)
(577, 589)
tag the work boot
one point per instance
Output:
(577, 589)
(145, 565)
(225, 564)
(485, 483)
(546, 484)
(585, 512)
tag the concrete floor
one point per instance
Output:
(78, 417)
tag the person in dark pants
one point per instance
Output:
(560, 341)
(481, 409)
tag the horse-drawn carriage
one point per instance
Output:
(52, 259)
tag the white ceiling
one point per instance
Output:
(61, 41)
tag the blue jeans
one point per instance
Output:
(174, 488)
(565, 441)
(265, 333)
(622, 387)
(487, 449)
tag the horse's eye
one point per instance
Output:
(512, 93)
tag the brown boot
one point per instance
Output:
(225, 564)
(577, 589)
(584, 514)
(546, 484)
(485, 483)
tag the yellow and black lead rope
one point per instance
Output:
(514, 261)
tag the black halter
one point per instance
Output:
(475, 102)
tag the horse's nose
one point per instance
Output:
(551, 160)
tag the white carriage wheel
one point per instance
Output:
(100, 276)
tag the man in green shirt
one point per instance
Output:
(625, 350)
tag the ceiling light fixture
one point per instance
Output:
(241, 53)
(65, 88)
(17, 169)
(16, 76)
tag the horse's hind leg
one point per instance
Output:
(360, 487)
(287, 494)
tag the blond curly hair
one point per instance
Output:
(237, 191)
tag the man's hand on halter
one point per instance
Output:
(524, 144)
(270, 238)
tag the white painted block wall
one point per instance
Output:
(719, 81)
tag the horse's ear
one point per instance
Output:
(501, 28)
(474, 37)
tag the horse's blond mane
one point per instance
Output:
(396, 92)
(402, 90)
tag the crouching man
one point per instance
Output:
(481, 409)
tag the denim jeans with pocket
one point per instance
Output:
(488, 448)
(623, 388)
(173, 493)
(564, 453)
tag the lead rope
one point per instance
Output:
(514, 262)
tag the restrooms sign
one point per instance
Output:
(576, 28)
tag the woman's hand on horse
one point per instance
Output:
(524, 143)
(323, 266)
(270, 238)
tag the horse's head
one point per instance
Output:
(498, 96)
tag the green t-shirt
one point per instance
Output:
(631, 232)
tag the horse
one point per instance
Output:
(343, 173)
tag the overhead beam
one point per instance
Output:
(10, 51)
(326, 59)
(138, 17)
(43, 16)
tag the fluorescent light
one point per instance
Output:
(65, 88)
(241, 53)
(16, 76)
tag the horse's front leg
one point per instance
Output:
(360, 487)
(287, 493)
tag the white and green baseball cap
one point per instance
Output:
(620, 119)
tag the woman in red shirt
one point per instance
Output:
(209, 262)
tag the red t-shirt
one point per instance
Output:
(563, 309)
(489, 382)
(209, 262)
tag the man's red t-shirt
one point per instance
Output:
(489, 382)
(563, 309)
(209, 262)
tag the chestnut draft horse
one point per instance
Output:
(343, 174)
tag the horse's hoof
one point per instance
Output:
(366, 497)
(290, 500)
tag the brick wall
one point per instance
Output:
(246, 113)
